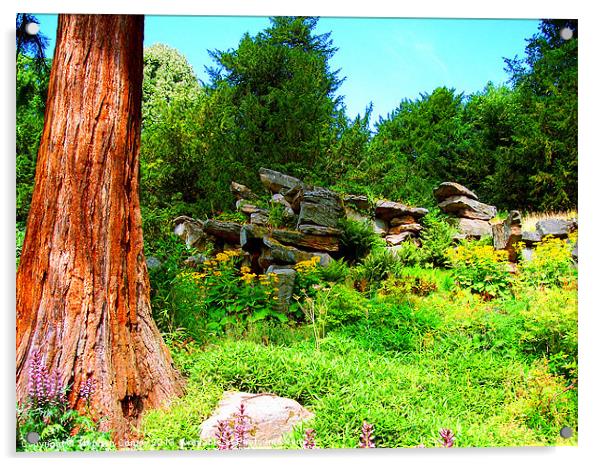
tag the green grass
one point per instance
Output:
(410, 366)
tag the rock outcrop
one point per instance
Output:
(313, 214)
(461, 202)
(509, 233)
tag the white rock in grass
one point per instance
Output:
(270, 417)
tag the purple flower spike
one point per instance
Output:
(88, 388)
(309, 439)
(241, 428)
(367, 439)
(223, 435)
(447, 438)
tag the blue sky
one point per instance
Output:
(384, 60)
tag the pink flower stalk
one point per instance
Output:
(42, 387)
(241, 428)
(367, 439)
(447, 438)
(309, 439)
(223, 435)
(88, 388)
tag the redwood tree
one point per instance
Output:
(82, 284)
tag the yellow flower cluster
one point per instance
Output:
(226, 255)
(307, 265)
(477, 254)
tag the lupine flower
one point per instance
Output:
(367, 439)
(88, 388)
(309, 439)
(447, 438)
(44, 388)
(241, 428)
(223, 435)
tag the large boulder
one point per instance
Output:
(388, 210)
(286, 283)
(317, 242)
(276, 181)
(320, 206)
(402, 228)
(271, 417)
(274, 252)
(380, 227)
(507, 234)
(555, 227)
(395, 240)
(357, 202)
(448, 189)
(470, 228)
(228, 231)
(465, 207)
(240, 191)
(192, 231)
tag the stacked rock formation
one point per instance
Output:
(312, 214)
(473, 215)
(507, 234)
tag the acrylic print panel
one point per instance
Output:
(295, 233)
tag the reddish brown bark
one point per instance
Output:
(82, 283)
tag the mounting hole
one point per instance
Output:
(566, 33)
(32, 28)
(32, 437)
(566, 432)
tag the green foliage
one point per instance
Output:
(436, 238)
(551, 265)
(19, 238)
(168, 77)
(32, 87)
(375, 268)
(357, 239)
(550, 328)
(481, 269)
(335, 272)
(418, 145)
(222, 297)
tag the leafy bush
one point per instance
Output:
(400, 287)
(357, 239)
(551, 264)
(550, 328)
(436, 239)
(344, 305)
(336, 271)
(481, 269)
(222, 296)
(375, 268)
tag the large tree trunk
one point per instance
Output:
(82, 283)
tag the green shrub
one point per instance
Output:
(436, 238)
(551, 264)
(357, 239)
(480, 269)
(344, 305)
(336, 271)
(375, 268)
(221, 296)
(550, 328)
